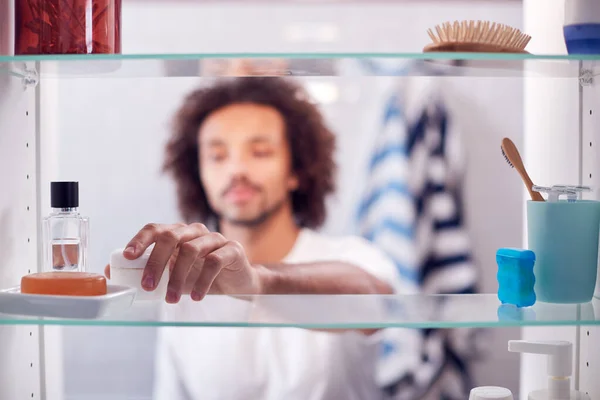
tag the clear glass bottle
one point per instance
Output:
(65, 230)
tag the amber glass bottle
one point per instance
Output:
(67, 26)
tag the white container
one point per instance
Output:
(490, 393)
(582, 12)
(129, 272)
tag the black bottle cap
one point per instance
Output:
(64, 194)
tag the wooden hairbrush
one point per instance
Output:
(513, 158)
(477, 36)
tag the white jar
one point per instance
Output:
(490, 393)
(129, 273)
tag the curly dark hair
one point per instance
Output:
(311, 145)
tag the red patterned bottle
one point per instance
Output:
(67, 26)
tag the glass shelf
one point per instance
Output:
(301, 64)
(339, 312)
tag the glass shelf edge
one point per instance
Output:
(293, 55)
(303, 65)
(417, 311)
(137, 324)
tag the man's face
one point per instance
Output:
(245, 162)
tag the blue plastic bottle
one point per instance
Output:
(582, 26)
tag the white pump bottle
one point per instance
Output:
(560, 367)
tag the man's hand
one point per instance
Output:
(200, 261)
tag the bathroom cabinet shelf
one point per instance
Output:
(298, 64)
(87, 118)
(343, 312)
(88, 100)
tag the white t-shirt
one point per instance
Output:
(208, 363)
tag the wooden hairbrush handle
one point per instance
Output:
(514, 159)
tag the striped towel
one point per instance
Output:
(412, 209)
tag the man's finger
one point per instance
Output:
(142, 240)
(167, 241)
(186, 264)
(149, 233)
(214, 263)
(179, 269)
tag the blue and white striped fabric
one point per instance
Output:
(412, 209)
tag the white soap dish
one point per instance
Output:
(117, 299)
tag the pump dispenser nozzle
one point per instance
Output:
(560, 367)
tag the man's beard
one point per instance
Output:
(256, 221)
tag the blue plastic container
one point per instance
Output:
(515, 276)
(564, 237)
(582, 38)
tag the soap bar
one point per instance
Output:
(515, 276)
(64, 284)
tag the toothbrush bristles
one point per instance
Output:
(506, 158)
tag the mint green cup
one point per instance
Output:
(564, 237)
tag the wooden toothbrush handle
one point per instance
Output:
(535, 196)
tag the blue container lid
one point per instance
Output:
(521, 254)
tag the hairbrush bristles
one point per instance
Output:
(480, 36)
(506, 158)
